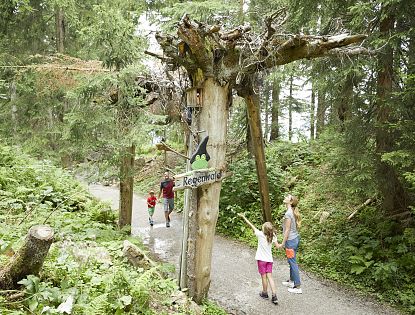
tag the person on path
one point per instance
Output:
(166, 187)
(264, 258)
(151, 205)
(291, 241)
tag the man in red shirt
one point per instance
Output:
(166, 187)
(151, 204)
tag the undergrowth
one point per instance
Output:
(369, 252)
(85, 266)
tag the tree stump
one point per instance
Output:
(29, 259)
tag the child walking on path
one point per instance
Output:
(264, 257)
(151, 204)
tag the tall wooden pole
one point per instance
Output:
(204, 205)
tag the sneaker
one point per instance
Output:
(274, 299)
(151, 222)
(295, 290)
(288, 283)
(263, 294)
(167, 224)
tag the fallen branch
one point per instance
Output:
(360, 207)
(164, 147)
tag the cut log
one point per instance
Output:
(29, 258)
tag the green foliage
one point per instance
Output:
(85, 263)
(204, 11)
(113, 34)
(210, 308)
(370, 252)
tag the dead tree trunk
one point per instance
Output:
(126, 186)
(252, 104)
(393, 193)
(276, 88)
(312, 111)
(29, 259)
(290, 110)
(204, 209)
(60, 30)
(321, 113)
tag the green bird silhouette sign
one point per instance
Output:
(200, 158)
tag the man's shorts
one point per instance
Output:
(151, 210)
(168, 204)
(264, 267)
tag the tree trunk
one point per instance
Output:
(249, 142)
(312, 111)
(246, 90)
(290, 110)
(29, 259)
(13, 96)
(266, 108)
(126, 186)
(346, 97)
(394, 197)
(60, 30)
(205, 206)
(276, 88)
(321, 113)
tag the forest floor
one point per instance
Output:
(235, 282)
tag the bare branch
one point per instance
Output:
(300, 47)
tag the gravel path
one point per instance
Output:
(235, 280)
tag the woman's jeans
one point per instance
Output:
(291, 248)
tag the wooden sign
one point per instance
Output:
(196, 178)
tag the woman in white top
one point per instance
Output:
(264, 257)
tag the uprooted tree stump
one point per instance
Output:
(29, 258)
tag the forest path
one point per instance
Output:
(235, 282)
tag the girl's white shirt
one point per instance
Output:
(264, 249)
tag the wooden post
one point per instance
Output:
(183, 283)
(258, 145)
(29, 259)
(126, 186)
(204, 208)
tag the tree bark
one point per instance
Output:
(126, 186)
(205, 205)
(394, 197)
(312, 111)
(276, 88)
(321, 113)
(60, 30)
(290, 110)
(246, 90)
(249, 142)
(259, 153)
(13, 97)
(346, 97)
(29, 259)
(266, 108)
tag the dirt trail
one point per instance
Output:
(235, 280)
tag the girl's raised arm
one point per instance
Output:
(247, 221)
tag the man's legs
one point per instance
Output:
(170, 203)
(166, 211)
